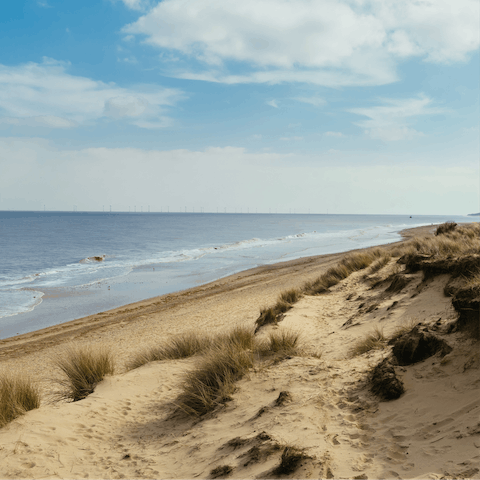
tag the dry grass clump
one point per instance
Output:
(377, 265)
(18, 395)
(193, 343)
(83, 368)
(213, 381)
(292, 458)
(241, 336)
(221, 471)
(181, 346)
(446, 227)
(403, 328)
(285, 302)
(472, 283)
(462, 240)
(375, 340)
(349, 264)
(284, 342)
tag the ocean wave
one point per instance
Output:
(13, 302)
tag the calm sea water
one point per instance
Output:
(50, 254)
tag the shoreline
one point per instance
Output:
(316, 398)
(268, 280)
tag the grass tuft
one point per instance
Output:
(242, 336)
(213, 381)
(349, 264)
(193, 343)
(285, 302)
(83, 368)
(292, 458)
(446, 227)
(377, 265)
(284, 342)
(221, 471)
(375, 340)
(18, 395)
(403, 328)
(180, 346)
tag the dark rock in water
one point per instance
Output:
(399, 282)
(469, 318)
(417, 345)
(384, 381)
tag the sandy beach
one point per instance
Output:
(129, 427)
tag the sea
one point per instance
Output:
(60, 266)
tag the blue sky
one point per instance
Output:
(345, 106)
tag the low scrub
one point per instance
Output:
(375, 340)
(446, 227)
(213, 381)
(18, 395)
(284, 342)
(82, 368)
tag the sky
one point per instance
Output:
(321, 106)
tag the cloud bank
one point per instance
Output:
(228, 177)
(328, 42)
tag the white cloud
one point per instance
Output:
(257, 136)
(40, 121)
(272, 103)
(332, 42)
(390, 121)
(46, 95)
(137, 4)
(315, 101)
(334, 134)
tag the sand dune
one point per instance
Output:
(318, 403)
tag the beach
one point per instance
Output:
(126, 428)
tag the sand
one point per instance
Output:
(128, 427)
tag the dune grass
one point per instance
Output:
(284, 342)
(375, 340)
(377, 265)
(291, 459)
(285, 302)
(403, 328)
(192, 343)
(82, 368)
(446, 227)
(349, 264)
(213, 380)
(228, 359)
(18, 395)
(181, 346)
